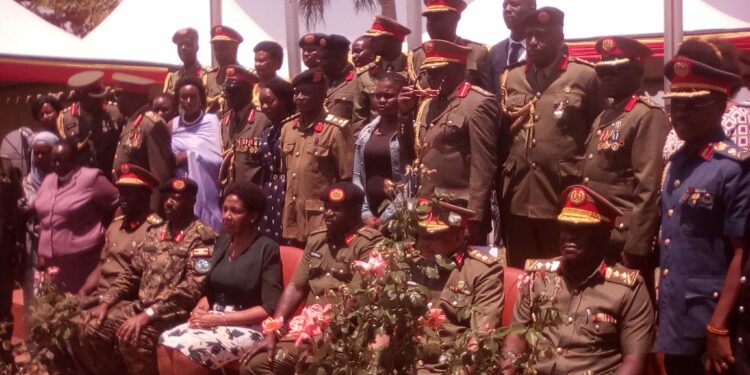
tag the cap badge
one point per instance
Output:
(577, 196)
(608, 44)
(428, 47)
(230, 71)
(323, 42)
(336, 195)
(218, 30)
(124, 168)
(178, 185)
(309, 38)
(543, 17)
(681, 68)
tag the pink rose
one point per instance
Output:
(375, 265)
(271, 325)
(309, 323)
(435, 319)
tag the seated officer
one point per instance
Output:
(609, 320)
(167, 273)
(474, 281)
(325, 265)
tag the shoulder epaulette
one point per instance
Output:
(482, 91)
(369, 232)
(482, 257)
(620, 275)
(581, 61)
(645, 99)
(338, 121)
(207, 234)
(154, 219)
(318, 230)
(119, 218)
(549, 265)
(731, 151)
(290, 118)
(366, 68)
(153, 117)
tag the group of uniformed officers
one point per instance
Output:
(564, 162)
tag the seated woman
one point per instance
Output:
(381, 151)
(241, 290)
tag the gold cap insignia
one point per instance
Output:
(428, 47)
(309, 38)
(543, 17)
(178, 185)
(608, 44)
(230, 71)
(577, 196)
(681, 68)
(336, 195)
(124, 168)
(218, 30)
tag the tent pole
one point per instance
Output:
(414, 22)
(291, 9)
(215, 14)
(672, 31)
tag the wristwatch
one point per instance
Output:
(150, 312)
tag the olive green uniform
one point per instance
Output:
(367, 80)
(314, 156)
(606, 317)
(547, 117)
(476, 283)
(324, 267)
(457, 141)
(623, 163)
(214, 91)
(95, 134)
(167, 274)
(477, 64)
(241, 138)
(341, 98)
(173, 77)
(145, 141)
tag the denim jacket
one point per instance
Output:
(359, 178)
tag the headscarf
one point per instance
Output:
(36, 175)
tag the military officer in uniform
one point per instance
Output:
(340, 74)
(241, 128)
(126, 232)
(471, 281)
(608, 320)
(318, 150)
(310, 46)
(442, 19)
(623, 151)
(186, 40)
(705, 204)
(386, 37)
(11, 235)
(362, 52)
(548, 105)
(325, 266)
(166, 272)
(224, 41)
(145, 139)
(456, 132)
(89, 122)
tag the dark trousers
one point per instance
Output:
(527, 238)
(684, 364)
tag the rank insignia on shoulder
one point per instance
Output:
(338, 121)
(154, 219)
(480, 256)
(549, 265)
(368, 232)
(730, 150)
(621, 276)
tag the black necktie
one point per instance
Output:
(515, 52)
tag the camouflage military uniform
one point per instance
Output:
(173, 77)
(145, 142)
(315, 156)
(95, 135)
(477, 66)
(341, 99)
(241, 140)
(475, 284)
(324, 267)
(167, 274)
(607, 316)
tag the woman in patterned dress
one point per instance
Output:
(277, 104)
(240, 291)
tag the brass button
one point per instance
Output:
(591, 156)
(676, 183)
(742, 309)
(570, 319)
(294, 197)
(294, 174)
(454, 303)
(533, 142)
(533, 165)
(621, 225)
(716, 295)
(665, 272)
(585, 180)
(297, 153)
(739, 340)
(670, 212)
(596, 327)
(538, 94)
(560, 350)
(599, 132)
(743, 279)
(667, 242)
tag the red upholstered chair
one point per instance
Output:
(510, 288)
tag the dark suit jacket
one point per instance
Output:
(498, 62)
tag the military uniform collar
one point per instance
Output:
(717, 141)
(179, 236)
(316, 124)
(598, 274)
(347, 74)
(131, 226)
(195, 69)
(560, 63)
(396, 65)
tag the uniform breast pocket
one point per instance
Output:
(457, 301)
(317, 155)
(455, 128)
(315, 268)
(601, 330)
(699, 215)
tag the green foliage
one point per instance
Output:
(78, 17)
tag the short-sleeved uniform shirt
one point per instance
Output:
(704, 202)
(607, 316)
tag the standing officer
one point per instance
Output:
(166, 271)
(186, 40)
(310, 45)
(549, 104)
(11, 235)
(704, 209)
(608, 321)
(342, 88)
(362, 52)
(442, 20)
(241, 128)
(89, 123)
(145, 139)
(126, 232)
(325, 266)
(224, 41)
(472, 282)
(318, 150)
(623, 154)
(386, 37)
(511, 50)
(456, 133)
